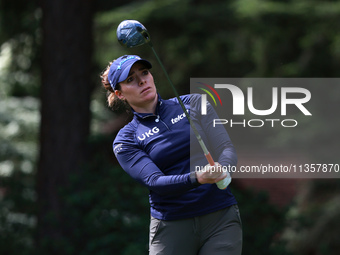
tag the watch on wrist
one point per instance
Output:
(193, 179)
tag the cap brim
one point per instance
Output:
(127, 69)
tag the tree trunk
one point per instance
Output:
(65, 114)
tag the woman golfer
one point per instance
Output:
(189, 214)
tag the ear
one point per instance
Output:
(119, 94)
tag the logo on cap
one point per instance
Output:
(124, 60)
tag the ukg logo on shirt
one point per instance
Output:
(148, 133)
(280, 98)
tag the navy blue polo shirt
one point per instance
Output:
(160, 150)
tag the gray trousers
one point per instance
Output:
(216, 233)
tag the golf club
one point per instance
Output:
(131, 33)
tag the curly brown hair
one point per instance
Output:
(113, 101)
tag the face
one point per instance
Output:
(139, 89)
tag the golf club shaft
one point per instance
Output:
(198, 136)
(131, 33)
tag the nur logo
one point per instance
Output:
(204, 97)
(280, 98)
(239, 99)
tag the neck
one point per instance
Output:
(148, 108)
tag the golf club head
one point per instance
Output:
(131, 33)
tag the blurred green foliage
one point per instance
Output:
(109, 210)
(262, 222)
(194, 39)
(312, 224)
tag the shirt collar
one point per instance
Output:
(145, 115)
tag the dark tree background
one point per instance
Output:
(65, 115)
